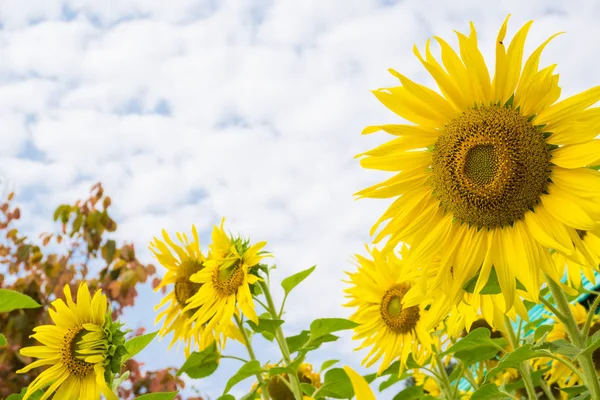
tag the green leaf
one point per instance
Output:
(201, 364)
(476, 339)
(392, 380)
(574, 390)
(484, 353)
(512, 360)
(327, 364)
(291, 282)
(273, 371)
(266, 325)
(410, 393)
(323, 326)
(491, 287)
(34, 396)
(2, 340)
(158, 396)
(541, 331)
(561, 346)
(307, 388)
(226, 397)
(247, 370)
(11, 300)
(297, 341)
(489, 391)
(336, 384)
(137, 344)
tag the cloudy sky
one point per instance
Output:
(189, 110)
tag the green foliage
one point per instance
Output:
(11, 300)
(328, 363)
(476, 346)
(489, 391)
(324, 326)
(246, 371)
(2, 340)
(266, 325)
(137, 344)
(410, 393)
(289, 283)
(336, 384)
(201, 364)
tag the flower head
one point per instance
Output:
(492, 173)
(225, 283)
(82, 349)
(393, 330)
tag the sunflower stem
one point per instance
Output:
(524, 368)
(577, 339)
(588, 322)
(444, 382)
(248, 345)
(547, 390)
(285, 351)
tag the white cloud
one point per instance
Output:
(190, 110)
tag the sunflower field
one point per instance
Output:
(480, 281)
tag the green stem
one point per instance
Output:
(588, 322)
(469, 376)
(248, 344)
(285, 351)
(579, 341)
(524, 368)
(234, 358)
(444, 382)
(547, 390)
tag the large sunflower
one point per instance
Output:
(225, 283)
(493, 172)
(76, 348)
(393, 330)
(181, 262)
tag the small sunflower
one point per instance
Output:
(82, 348)
(225, 282)
(278, 390)
(493, 172)
(181, 262)
(393, 331)
(427, 382)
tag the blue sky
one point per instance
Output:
(250, 109)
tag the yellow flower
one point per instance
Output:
(225, 283)
(181, 261)
(278, 390)
(75, 348)
(428, 383)
(493, 172)
(585, 257)
(393, 331)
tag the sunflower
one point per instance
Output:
(584, 259)
(493, 172)
(428, 383)
(393, 331)
(279, 390)
(82, 348)
(181, 262)
(225, 283)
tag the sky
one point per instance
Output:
(188, 111)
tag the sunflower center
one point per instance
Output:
(76, 367)
(184, 288)
(398, 319)
(490, 165)
(226, 281)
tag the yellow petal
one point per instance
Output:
(362, 391)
